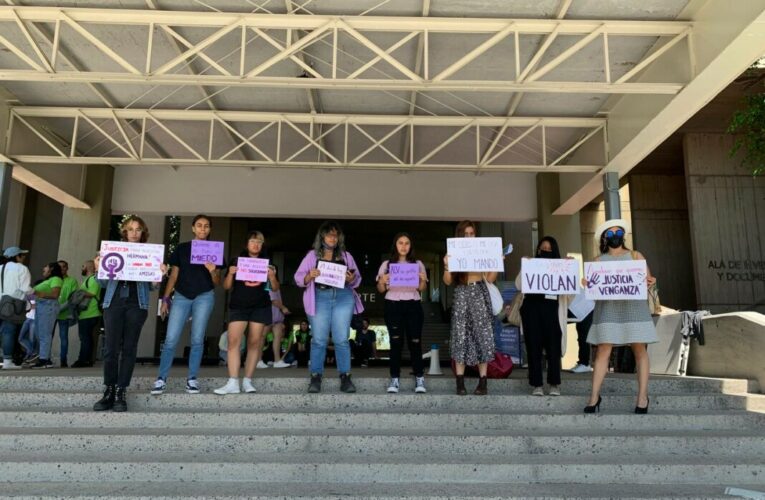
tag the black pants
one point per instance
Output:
(361, 352)
(123, 320)
(85, 329)
(582, 329)
(405, 318)
(542, 333)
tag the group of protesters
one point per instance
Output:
(255, 308)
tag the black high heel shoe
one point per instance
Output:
(596, 407)
(644, 410)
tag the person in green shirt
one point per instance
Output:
(46, 311)
(65, 316)
(88, 320)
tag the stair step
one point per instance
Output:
(243, 490)
(552, 442)
(343, 468)
(163, 418)
(378, 402)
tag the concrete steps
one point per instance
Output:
(700, 436)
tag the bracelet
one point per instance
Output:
(166, 300)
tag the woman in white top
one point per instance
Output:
(403, 310)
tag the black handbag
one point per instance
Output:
(12, 310)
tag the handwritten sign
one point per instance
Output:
(474, 254)
(404, 275)
(331, 274)
(251, 269)
(125, 261)
(616, 280)
(203, 251)
(550, 276)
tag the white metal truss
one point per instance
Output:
(289, 140)
(41, 63)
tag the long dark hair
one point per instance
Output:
(394, 251)
(318, 241)
(553, 246)
(55, 270)
(604, 243)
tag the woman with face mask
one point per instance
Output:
(329, 308)
(543, 319)
(620, 322)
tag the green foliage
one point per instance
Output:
(749, 126)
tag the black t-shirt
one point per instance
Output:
(244, 296)
(368, 338)
(193, 279)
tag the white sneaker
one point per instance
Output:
(393, 386)
(8, 364)
(419, 385)
(538, 391)
(294, 364)
(247, 386)
(231, 387)
(554, 390)
(581, 369)
(270, 364)
(281, 364)
(261, 365)
(159, 387)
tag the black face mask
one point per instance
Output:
(615, 241)
(544, 254)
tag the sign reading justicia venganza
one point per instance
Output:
(616, 280)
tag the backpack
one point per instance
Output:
(78, 300)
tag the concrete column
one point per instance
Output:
(14, 217)
(6, 170)
(83, 229)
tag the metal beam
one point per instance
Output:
(289, 150)
(318, 28)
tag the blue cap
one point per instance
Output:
(11, 252)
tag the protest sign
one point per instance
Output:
(125, 261)
(616, 280)
(474, 255)
(404, 275)
(331, 274)
(550, 276)
(251, 269)
(203, 251)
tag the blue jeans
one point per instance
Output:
(199, 309)
(27, 337)
(46, 312)
(334, 310)
(8, 331)
(63, 331)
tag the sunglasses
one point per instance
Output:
(619, 233)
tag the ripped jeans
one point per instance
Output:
(404, 318)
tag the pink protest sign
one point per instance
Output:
(404, 275)
(203, 251)
(251, 269)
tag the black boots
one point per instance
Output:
(107, 402)
(120, 404)
(461, 391)
(481, 389)
(345, 383)
(315, 385)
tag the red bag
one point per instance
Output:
(499, 367)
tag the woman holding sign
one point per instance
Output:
(620, 322)
(472, 338)
(192, 282)
(126, 307)
(402, 278)
(544, 318)
(330, 275)
(249, 309)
